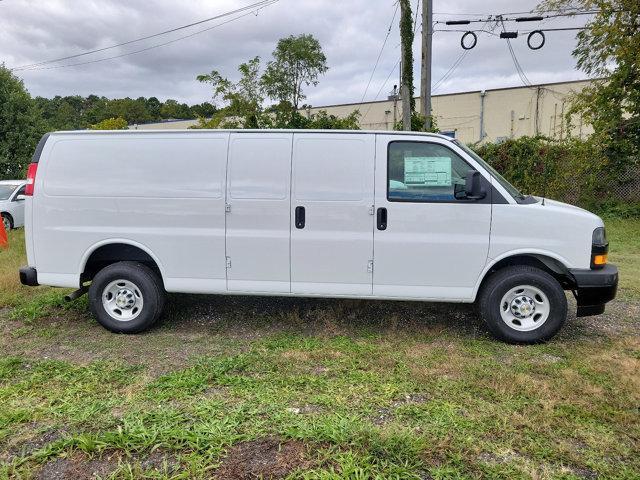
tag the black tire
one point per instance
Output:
(150, 288)
(9, 219)
(501, 282)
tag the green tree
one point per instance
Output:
(608, 50)
(244, 98)
(20, 126)
(95, 109)
(204, 109)
(133, 111)
(298, 61)
(153, 107)
(118, 123)
(322, 120)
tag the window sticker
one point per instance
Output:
(427, 171)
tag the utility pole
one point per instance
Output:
(406, 35)
(425, 74)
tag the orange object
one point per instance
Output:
(600, 259)
(4, 241)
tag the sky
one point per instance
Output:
(351, 33)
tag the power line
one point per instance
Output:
(465, 31)
(415, 26)
(381, 87)
(457, 62)
(449, 72)
(53, 67)
(567, 12)
(395, 12)
(182, 27)
(502, 18)
(519, 31)
(415, 19)
(521, 74)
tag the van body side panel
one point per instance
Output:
(164, 192)
(332, 180)
(521, 229)
(258, 220)
(429, 250)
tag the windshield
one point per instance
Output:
(6, 191)
(513, 191)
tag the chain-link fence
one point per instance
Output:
(627, 188)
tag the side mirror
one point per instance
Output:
(473, 188)
(20, 198)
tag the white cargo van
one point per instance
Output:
(349, 214)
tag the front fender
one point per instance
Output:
(540, 254)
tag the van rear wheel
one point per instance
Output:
(126, 297)
(523, 304)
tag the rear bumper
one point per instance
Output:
(29, 276)
(594, 288)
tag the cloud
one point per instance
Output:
(351, 33)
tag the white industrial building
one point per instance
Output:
(478, 115)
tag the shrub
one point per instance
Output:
(574, 171)
(118, 123)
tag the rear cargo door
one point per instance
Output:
(257, 212)
(332, 216)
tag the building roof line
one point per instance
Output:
(320, 107)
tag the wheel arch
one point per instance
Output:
(553, 264)
(107, 252)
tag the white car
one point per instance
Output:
(348, 214)
(12, 203)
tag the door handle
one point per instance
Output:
(300, 217)
(382, 219)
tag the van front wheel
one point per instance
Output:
(126, 297)
(523, 304)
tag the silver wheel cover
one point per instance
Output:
(122, 300)
(525, 308)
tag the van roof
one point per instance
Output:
(198, 130)
(12, 182)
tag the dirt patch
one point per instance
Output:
(34, 437)
(411, 399)
(620, 318)
(265, 458)
(386, 414)
(506, 456)
(583, 473)
(157, 460)
(306, 409)
(78, 467)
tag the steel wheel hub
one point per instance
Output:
(125, 299)
(122, 300)
(525, 308)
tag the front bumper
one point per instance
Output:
(29, 276)
(594, 288)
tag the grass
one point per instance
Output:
(624, 239)
(341, 389)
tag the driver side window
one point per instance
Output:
(424, 172)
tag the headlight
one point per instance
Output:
(599, 248)
(599, 236)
